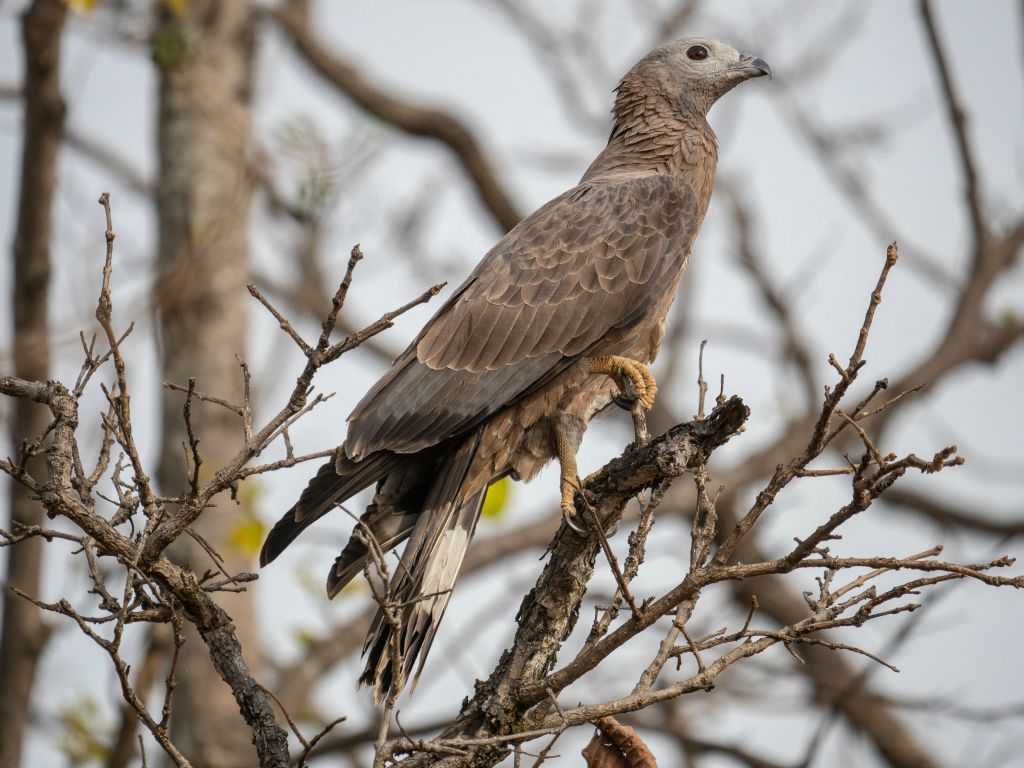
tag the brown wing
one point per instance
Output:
(579, 274)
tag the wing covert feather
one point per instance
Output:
(587, 266)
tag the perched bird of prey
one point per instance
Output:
(561, 314)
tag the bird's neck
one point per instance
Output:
(652, 135)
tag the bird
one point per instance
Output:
(559, 318)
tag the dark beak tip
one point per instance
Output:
(762, 66)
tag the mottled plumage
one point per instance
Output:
(502, 378)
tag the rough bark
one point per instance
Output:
(970, 338)
(506, 701)
(205, 59)
(24, 633)
(831, 675)
(60, 495)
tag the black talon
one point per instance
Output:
(625, 403)
(568, 520)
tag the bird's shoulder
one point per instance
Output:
(592, 251)
(610, 211)
(586, 267)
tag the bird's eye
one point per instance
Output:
(697, 52)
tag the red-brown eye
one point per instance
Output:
(697, 53)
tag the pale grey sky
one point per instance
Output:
(464, 56)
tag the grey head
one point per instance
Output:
(695, 72)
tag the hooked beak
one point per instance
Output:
(752, 66)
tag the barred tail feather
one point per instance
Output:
(389, 528)
(421, 583)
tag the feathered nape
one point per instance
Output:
(632, 101)
(650, 130)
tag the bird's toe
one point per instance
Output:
(570, 518)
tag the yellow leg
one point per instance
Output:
(623, 370)
(569, 479)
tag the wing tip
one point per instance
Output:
(281, 535)
(341, 574)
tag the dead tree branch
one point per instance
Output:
(156, 589)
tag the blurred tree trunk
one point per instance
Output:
(24, 633)
(205, 58)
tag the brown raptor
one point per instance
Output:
(566, 309)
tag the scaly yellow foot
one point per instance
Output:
(569, 479)
(623, 370)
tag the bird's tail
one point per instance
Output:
(334, 482)
(421, 583)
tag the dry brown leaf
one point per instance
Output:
(617, 746)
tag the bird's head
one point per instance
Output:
(695, 72)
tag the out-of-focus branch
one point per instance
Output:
(24, 634)
(549, 46)
(855, 190)
(559, 49)
(110, 160)
(104, 156)
(957, 121)
(670, 721)
(949, 515)
(811, 57)
(430, 122)
(666, 24)
(795, 349)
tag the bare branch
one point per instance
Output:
(412, 118)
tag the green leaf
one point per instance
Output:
(170, 46)
(84, 731)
